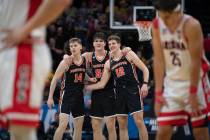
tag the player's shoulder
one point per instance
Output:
(65, 62)
(87, 55)
(63, 65)
(191, 22)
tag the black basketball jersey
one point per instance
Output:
(98, 66)
(74, 77)
(124, 72)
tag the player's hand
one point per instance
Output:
(160, 101)
(12, 37)
(50, 103)
(125, 50)
(144, 90)
(93, 80)
(193, 101)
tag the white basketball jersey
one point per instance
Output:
(15, 13)
(176, 53)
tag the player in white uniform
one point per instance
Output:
(25, 62)
(177, 45)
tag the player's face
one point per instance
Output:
(98, 44)
(165, 16)
(75, 48)
(113, 46)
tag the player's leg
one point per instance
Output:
(122, 113)
(109, 113)
(164, 132)
(174, 112)
(22, 133)
(97, 116)
(200, 127)
(78, 123)
(123, 126)
(135, 107)
(110, 124)
(201, 132)
(78, 114)
(171, 115)
(97, 128)
(139, 121)
(63, 122)
(63, 117)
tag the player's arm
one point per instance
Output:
(104, 79)
(90, 79)
(87, 56)
(158, 68)
(62, 67)
(137, 62)
(159, 63)
(89, 69)
(193, 33)
(47, 12)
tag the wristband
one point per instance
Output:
(157, 100)
(193, 89)
(145, 83)
(158, 93)
(205, 67)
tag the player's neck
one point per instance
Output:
(117, 54)
(100, 52)
(174, 22)
(77, 58)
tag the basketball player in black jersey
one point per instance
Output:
(102, 101)
(73, 101)
(121, 66)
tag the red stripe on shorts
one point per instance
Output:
(178, 122)
(23, 75)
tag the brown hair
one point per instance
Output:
(72, 40)
(114, 37)
(166, 5)
(99, 35)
